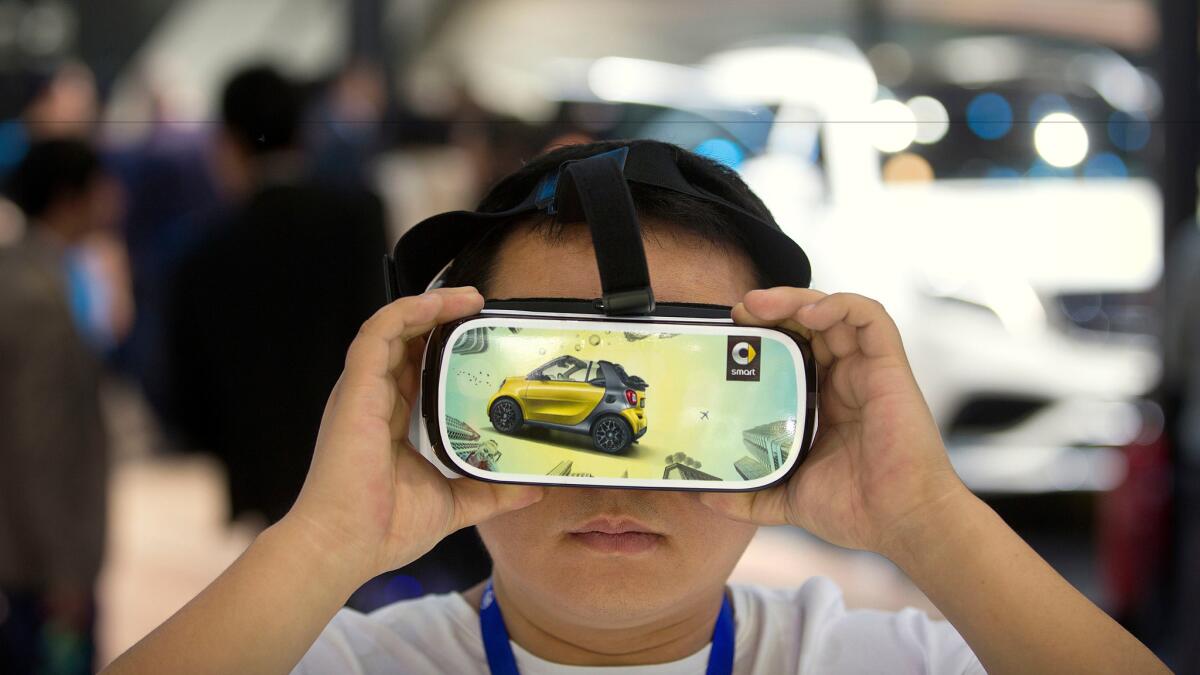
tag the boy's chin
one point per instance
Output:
(616, 586)
(619, 603)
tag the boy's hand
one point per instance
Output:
(877, 465)
(370, 500)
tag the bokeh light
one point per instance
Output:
(1045, 104)
(1129, 132)
(907, 167)
(932, 119)
(1105, 165)
(47, 28)
(721, 150)
(892, 63)
(989, 116)
(1061, 139)
(892, 126)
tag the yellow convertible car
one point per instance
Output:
(597, 398)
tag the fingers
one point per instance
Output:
(770, 305)
(777, 304)
(408, 381)
(379, 346)
(766, 507)
(857, 323)
(837, 325)
(476, 501)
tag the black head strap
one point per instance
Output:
(597, 186)
(426, 249)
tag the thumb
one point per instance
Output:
(733, 505)
(476, 501)
(760, 508)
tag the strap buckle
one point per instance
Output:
(636, 301)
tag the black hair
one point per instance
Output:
(262, 109)
(476, 264)
(50, 171)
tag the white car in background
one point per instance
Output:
(1023, 302)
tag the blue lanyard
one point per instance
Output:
(502, 661)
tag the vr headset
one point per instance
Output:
(618, 391)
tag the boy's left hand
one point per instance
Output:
(877, 465)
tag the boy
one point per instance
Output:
(636, 579)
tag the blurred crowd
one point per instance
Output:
(222, 269)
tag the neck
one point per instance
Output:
(546, 633)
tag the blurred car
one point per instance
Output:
(1023, 296)
(596, 398)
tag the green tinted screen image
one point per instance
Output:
(621, 404)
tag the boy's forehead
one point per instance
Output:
(684, 267)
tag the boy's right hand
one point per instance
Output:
(371, 503)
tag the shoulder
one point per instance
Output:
(32, 288)
(341, 219)
(308, 194)
(810, 630)
(436, 633)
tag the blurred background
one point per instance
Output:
(197, 193)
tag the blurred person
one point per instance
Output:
(61, 102)
(66, 106)
(172, 197)
(55, 102)
(568, 138)
(102, 296)
(345, 134)
(592, 580)
(53, 448)
(495, 143)
(262, 310)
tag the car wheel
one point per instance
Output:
(611, 434)
(506, 415)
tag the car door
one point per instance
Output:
(564, 396)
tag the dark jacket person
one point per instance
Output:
(263, 311)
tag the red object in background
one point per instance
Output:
(1132, 523)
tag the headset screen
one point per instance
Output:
(622, 403)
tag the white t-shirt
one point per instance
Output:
(804, 630)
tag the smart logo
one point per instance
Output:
(743, 359)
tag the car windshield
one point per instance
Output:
(565, 369)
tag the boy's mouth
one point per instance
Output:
(620, 535)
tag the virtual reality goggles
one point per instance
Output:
(618, 391)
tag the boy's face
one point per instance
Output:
(564, 553)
